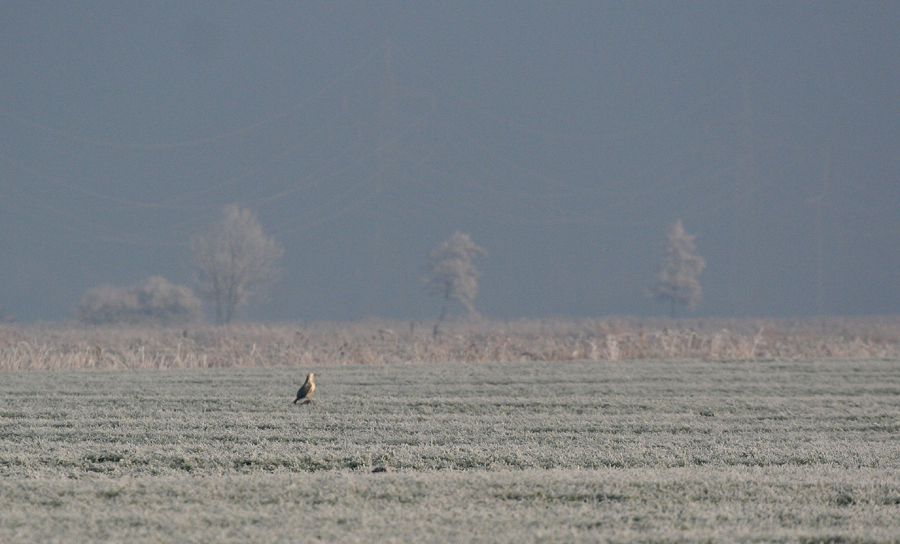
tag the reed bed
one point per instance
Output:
(67, 346)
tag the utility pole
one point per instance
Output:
(386, 274)
(745, 265)
(821, 202)
(388, 108)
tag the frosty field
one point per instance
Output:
(574, 451)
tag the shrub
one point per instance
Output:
(155, 301)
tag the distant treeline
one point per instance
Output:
(376, 341)
(237, 263)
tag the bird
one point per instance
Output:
(306, 390)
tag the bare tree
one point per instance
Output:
(678, 272)
(452, 274)
(236, 260)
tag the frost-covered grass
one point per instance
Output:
(805, 451)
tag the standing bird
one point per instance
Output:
(306, 390)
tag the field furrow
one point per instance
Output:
(495, 452)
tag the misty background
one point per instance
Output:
(563, 137)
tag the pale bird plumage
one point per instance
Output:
(306, 390)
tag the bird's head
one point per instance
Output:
(310, 376)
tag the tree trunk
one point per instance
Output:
(441, 317)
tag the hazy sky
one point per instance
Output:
(563, 137)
